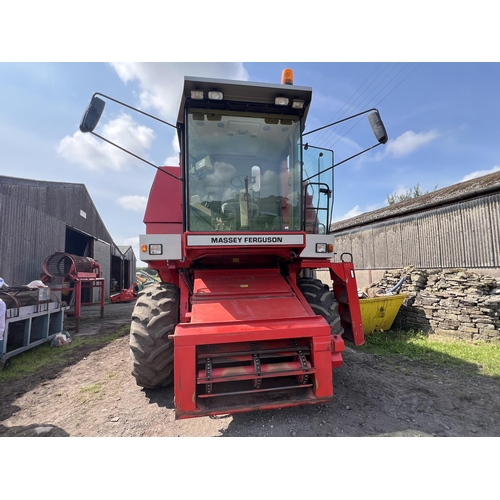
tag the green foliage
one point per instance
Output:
(152, 272)
(478, 357)
(408, 195)
(146, 270)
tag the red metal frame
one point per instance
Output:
(247, 338)
(345, 289)
(238, 315)
(86, 282)
(82, 272)
(127, 295)
(240, 308)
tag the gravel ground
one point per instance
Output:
(95, 395)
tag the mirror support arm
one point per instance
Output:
(340, 121)
(135, 109)
(343, 161)
(135, 156)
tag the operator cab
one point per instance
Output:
(244, 171)
(242, 155)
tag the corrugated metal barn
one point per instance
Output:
(454, 227)
(39, 218)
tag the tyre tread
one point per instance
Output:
(322, 301)
(154, 318)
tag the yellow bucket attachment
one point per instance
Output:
(378, 314)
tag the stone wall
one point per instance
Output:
(453, 302)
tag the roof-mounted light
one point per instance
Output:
(216, 96)
(281, 101)
(197, 94)
(287, 77)
(297, 104)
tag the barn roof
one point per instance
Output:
(480, 186)
(66, 201)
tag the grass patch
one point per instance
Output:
(90, 393)
(45, 356)
(482, 357)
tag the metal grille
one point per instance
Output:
(65, 264)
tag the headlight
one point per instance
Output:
(216, 96)
(281, 101)
(155, 249)
(324, 248)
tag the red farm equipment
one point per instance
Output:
(239, 321)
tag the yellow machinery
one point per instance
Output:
(378, 314)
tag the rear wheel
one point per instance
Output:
(155, 316)
(322, 302)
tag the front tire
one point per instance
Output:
(322, 302)
(155, 316)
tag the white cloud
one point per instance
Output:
(350, 143)
(92, 153)
(357, 210)
(160, 84)
(479, 173)
(134, 243)
(348, 215)
(401, 189)
(375, 206)
(159, 90)
(173, 160)
(135, 203)
(409, 142)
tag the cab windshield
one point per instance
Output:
(244, 172)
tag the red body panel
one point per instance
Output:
(235, 295)
(124, 296)
(165, 202)
(240, 315)
(247, 338)
(164, 208)
(345, 289)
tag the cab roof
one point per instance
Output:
(255, 93)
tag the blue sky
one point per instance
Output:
(441, 119)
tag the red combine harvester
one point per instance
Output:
(236, 232)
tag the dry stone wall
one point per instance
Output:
(452, 302)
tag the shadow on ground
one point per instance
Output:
(33, 430)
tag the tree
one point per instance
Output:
(149, 271)
(408, 195)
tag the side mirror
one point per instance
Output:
(92, 115)
(378, 127)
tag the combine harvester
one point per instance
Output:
(235, 232)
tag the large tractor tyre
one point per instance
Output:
(322, 302)
(155, 316)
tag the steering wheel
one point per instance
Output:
(238, 182)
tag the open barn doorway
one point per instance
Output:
(78, 243)
(116, 284)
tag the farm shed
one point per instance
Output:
(40, 218)
(454, 227)
(124, 267)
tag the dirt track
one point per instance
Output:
(95, 395)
